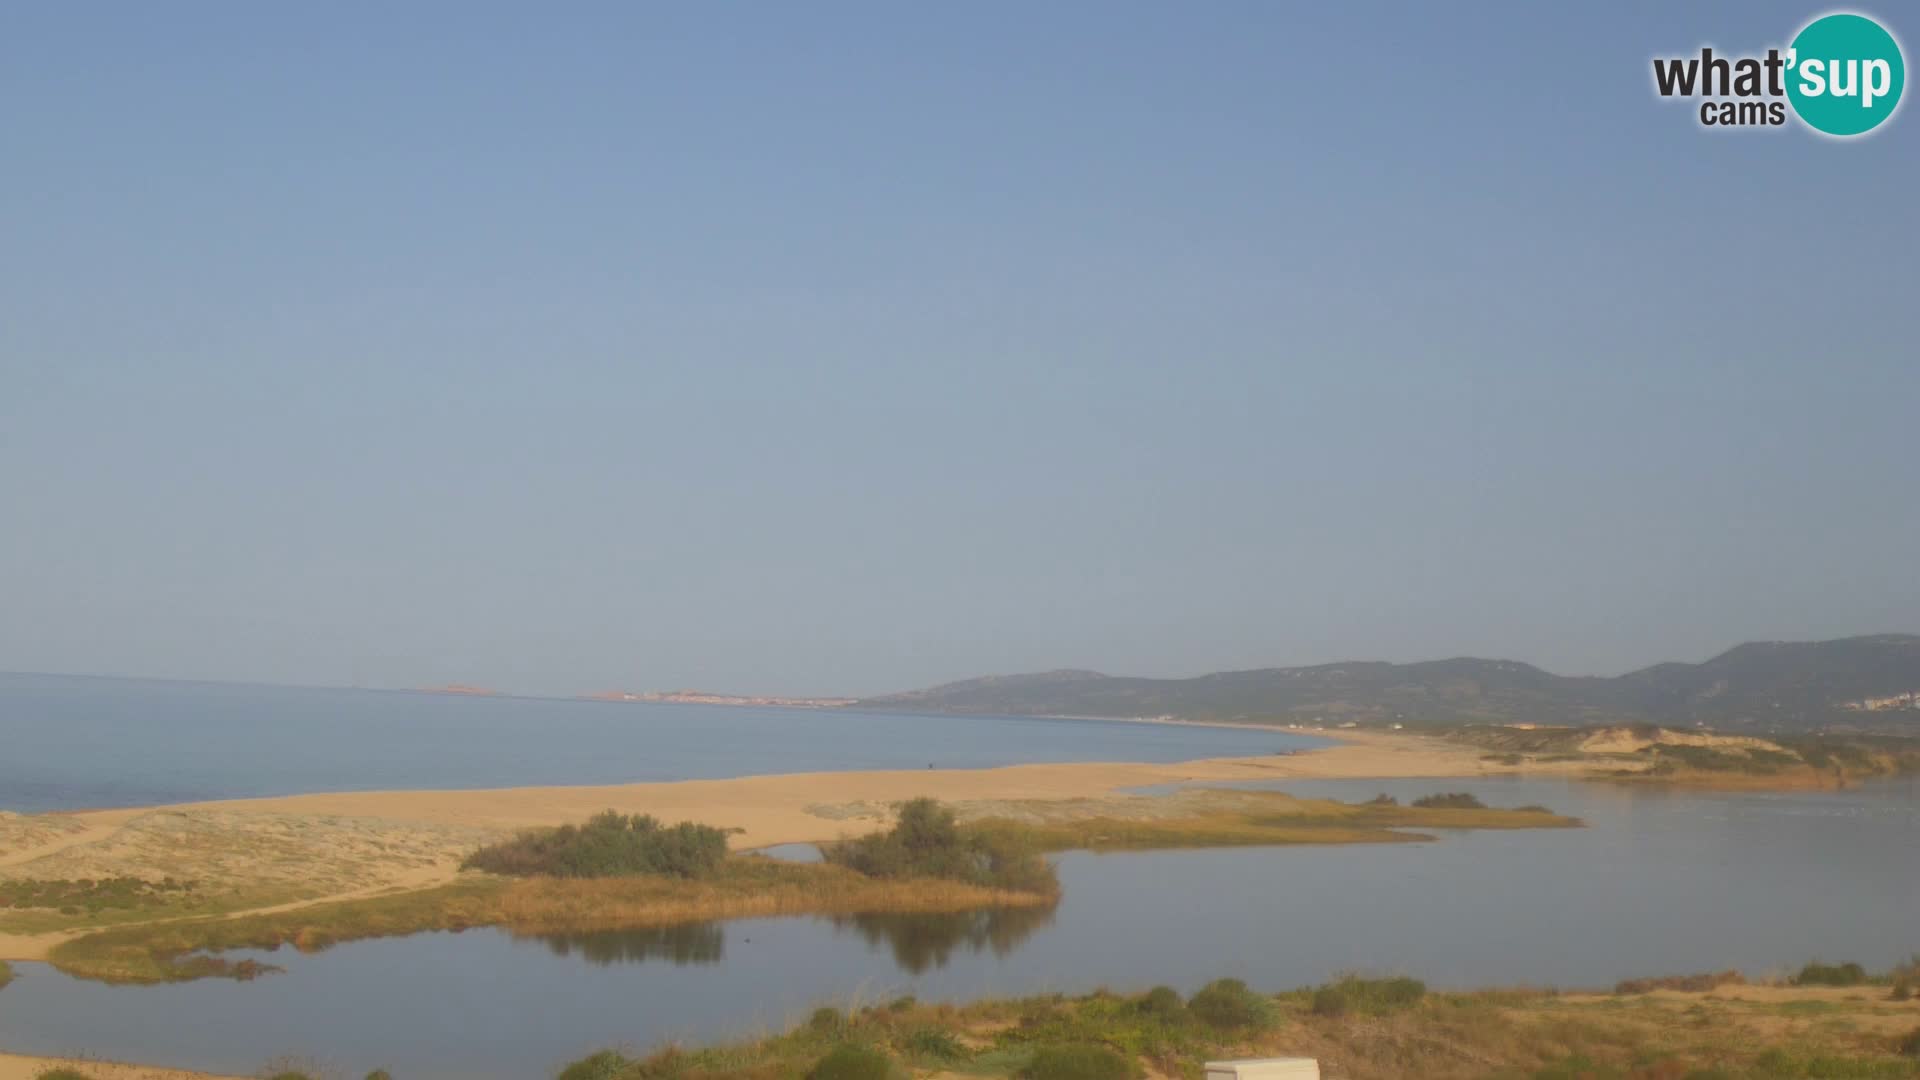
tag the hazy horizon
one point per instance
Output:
(512, 691)
(857, 349)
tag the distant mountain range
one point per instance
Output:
(1859, 684)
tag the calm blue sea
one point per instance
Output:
(71, 743)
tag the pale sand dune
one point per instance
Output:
(17, 1067)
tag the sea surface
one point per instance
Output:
(69, 743)
(1658, 883)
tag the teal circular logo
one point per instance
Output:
(1845, 74)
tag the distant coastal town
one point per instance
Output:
(705, 697)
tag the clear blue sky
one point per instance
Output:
(853, 347)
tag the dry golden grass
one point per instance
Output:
(1221, 818)
(752, 888)
(1504, 1035)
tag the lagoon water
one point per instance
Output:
(1660, 882)
(71, 743)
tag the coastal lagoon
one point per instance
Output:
(86, 743)
(1659, 882)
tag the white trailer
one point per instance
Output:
(1288, 1068)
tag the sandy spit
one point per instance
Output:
(799, 807)
(17, 1067)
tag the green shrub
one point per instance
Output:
(290, 1075)
(605, 1065)
(1331, 1001)
(610, 844)
(928, 842)
(1162, 1001)
(934, 1044)
(1354, 994)
(1907, 971)
(1910, 1045)
(902, 1003)
(1818, 974)
(1077, 1061)
(1452, 800)
(6, 973)
(827, 1020)
(62, 1073)
(379, 1074)
(851, 1061)
(1228, 1004)
(1902, 990)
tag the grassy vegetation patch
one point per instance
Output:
(1698, 983)
(73, 896)
(1748, 761)
(1260, 818)
(852, 1061)
(1354, 994)
(1078, 1061)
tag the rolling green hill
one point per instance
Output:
(1770, 686)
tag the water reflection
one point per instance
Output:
(919, 942)
(922, 941)
(687, 943)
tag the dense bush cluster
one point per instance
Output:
(1229, 1005)
(1818, 974)
(1373, 996)
(927, 842)
(1163, 1002)
(611, 844)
